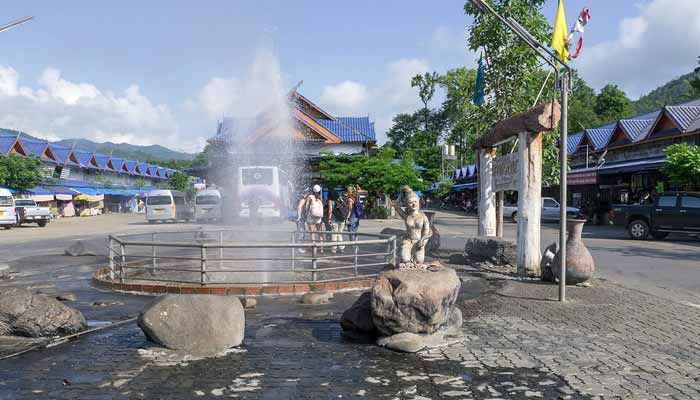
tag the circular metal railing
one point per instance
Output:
(225, 257)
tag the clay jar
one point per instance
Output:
(579, 262)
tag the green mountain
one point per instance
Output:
(676, 91)
(130, 151)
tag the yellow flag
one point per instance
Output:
(559, 35)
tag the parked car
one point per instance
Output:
(168, 205)
(7, 209)
(27, 211)
(550, 210)
(669, 212)
(207, 205)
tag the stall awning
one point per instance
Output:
(464, 186)
(648, 164)
(89, 198)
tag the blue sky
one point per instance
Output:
(163, 71)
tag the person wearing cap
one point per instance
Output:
(301, 216)
(314, 214)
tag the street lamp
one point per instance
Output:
(13, 24)
(550, 58)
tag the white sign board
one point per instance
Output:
(506, 172)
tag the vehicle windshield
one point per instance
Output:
(158, 200)
(206, 200)
(5, 201)
(24, 202)
(256, 176)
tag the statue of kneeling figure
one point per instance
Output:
(417, 233)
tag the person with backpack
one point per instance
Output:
(355, 213)
(314, 214)
(338, 215)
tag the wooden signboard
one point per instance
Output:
(506, 172)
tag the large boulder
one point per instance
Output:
(24, 313)
(416, 301)
(197, 324)
(492, 249)
(358, 318)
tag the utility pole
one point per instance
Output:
(563, 77)
(16, 23)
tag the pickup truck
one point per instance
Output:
(669, 212)
(27, 211)
(550, 210)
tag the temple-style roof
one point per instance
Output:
(312, 125)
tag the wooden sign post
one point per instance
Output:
(521, 172)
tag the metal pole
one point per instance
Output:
(499, 214)
(314, 262)
(393, 252)
(562, 180)
(357, 250)
(15, 23)
(203, 269)
(221, 249)
(153, 253)
(294, 250)
(111, 258)
(122, 249)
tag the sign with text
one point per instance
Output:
(506, 172)
(582, 178)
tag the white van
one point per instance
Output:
(8, 219)
(167, 205)
(207, 205)
(259, 189)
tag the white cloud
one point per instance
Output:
(346, 96)
(59, 108)
(651, 48)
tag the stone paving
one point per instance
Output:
(606, 342)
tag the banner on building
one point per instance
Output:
(582, 178)
(506, 171)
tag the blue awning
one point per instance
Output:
(464, 186)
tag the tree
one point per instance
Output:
(20, 173)
(457, 108)
(582, 106)
(612, 104)
(695, 82)
(682, 164)
(426, 90)
(139, 183)
(403, 127)
(179, 181)
(444, 189)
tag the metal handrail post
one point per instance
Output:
(387, 257)
(122, 249)
(393, 252)
(111, 258)
(221, 249)
(357, 250)
(294, 250)
(314, 261)
(203, 267)
(153, 253)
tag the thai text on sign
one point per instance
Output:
(506, 171)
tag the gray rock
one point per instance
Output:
(417, 301)
(23, 313)
(458, 259)
(4, 271)
(494, 250)
(248, 302)
(67, 297)
(406, 342)
(82, 248)
(315, 298)
(197, 324)
(358, 317)
(547, 263)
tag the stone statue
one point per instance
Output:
(418, 230)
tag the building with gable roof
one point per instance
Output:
(621, 162)
(313, 131)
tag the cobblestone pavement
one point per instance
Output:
(607, 341)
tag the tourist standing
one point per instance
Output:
(355, 213)
(338, 215)
(301, 217)
(314, 214)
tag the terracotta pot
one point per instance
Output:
(579, 262)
